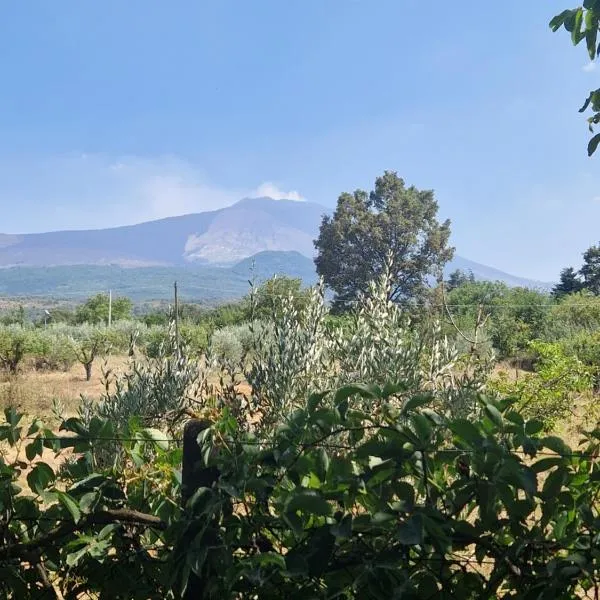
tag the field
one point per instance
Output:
(34, 392)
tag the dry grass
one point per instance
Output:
(33, 392)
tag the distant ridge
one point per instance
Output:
(277, 235)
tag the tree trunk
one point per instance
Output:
(88, 370)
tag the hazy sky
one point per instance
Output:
(115, 112)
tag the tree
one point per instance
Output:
(88, 347)
(590, 271)
(393, 227)
(583, 23)
(569, 283)
(95, 309)
(458, 278)
(269, 295)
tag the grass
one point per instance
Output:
(34, 392)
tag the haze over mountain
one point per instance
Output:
(279, 235)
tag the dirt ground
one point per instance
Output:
(33, 392)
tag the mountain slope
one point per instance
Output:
(279, 235)
(223, 236)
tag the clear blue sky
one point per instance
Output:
(116, 112)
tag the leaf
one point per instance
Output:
(70, 504)
(416, 402)
(494, 415)
(556, 445)
(40, 477)
(36, 448)
(156, 436)
(422, 427)
(309, 501)
(365, 391)
(314, 400)
(593, 145)
(466, 431)
(534, 426)
(410, 532)
(545, 464)
(558, 20)
(343, 529)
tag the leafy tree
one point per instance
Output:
(392, 224)
(95, 309)
(268, 296)
(590, 271)
(583, 23)
(569, 283)
(88, 347)
(458, 278)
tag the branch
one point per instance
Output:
(26, 550)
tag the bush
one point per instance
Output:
(549, 393)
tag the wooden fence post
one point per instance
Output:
(193, 477)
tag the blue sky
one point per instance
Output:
(116, 112)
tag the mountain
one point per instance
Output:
(220, 237)
(212, 254)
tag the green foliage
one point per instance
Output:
(95, 310)
(583, 23)
(550, 392)
(153, 392)
(91, 531)
(393, 227)
(517, 315)
(269, 295)
(459, 278)
(590, 271)
(569, 283)
(15, 343)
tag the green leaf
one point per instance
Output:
(545, 464)
(556, 445)
(40, 477)
(558, 20)
(465, 431)
(365, 391)
(410, 532)
(422, 427)
(314, 400)
(156, 436)
(343, 529)
(71, 505)
(308, 501)
(593, 145)
(416, 402)
(35, 448)
(494, 415)
(534, 426)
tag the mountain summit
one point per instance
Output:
(219, 237)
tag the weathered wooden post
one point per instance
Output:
(193, 477)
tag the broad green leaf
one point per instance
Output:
(365, 391)
(593, 144)
(40, 477)
(494, 415)
(71, 505)
(308, 501)
(534, 426)
(343, 529)
(410, 532)
(465, 431)
(156, 436)
(557, 445)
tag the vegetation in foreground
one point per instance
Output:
(424, 483)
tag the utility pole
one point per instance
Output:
(109, 308)
(176, 318)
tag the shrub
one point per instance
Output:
(549, 393)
